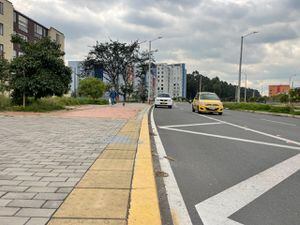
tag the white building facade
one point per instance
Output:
(171, 79)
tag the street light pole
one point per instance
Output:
(245, 93)
(149, 72)
(240, 71)
(238, 92)
(290, 79)
(149, 69)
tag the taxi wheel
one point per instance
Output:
(220, 113)
(193, 109)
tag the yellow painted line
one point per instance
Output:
(144, 204)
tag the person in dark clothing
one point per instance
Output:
(113, 95)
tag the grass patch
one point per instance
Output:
(261, 107)
(48, 104)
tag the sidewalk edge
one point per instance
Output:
(144, 204)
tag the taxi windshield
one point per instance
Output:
(209, 96)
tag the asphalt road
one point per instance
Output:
(234, 164)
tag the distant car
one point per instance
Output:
(163, 100)
(207, 102)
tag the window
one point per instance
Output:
(1, 50)
(1, 29)
(25, 38)
(38, 31)
(15, 17)
(1, 8)
(14, 54)
(23, 23)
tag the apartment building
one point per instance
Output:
(15, 22)
(171, 79)
(278, 89)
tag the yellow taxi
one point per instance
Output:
(207, 102)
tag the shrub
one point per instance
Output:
(5, 102)
(91, 87)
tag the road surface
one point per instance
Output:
(239, 168)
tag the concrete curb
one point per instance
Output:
(144, 205)
(269, 113)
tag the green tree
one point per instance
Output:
(117, 60)
(284, 98)
(4, 75)
(40, 71)
(91, 87)
(225, 91)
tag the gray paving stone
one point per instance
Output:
(54, 178)
(47, 174)
(35, 183)
(4, 202)
(2, 193)
(51, 196)
(26, 203)
(13, 188)
(42, 189)
(64, 190)
(6, 177)
(52, 204)
(13, 220)
(18, 195)
(9, 182)
(62, 184)
(7, 211)
(30, 212)
(27, 178)
(37, 221)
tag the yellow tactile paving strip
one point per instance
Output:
(144, 206)
(102, 196)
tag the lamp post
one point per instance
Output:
(240, 66)
(290, 79)
(245, 92)
(149, 72)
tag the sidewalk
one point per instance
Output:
(44, 157)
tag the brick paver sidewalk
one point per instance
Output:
(43, 156)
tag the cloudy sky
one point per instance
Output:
(204, 34)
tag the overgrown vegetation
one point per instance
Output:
(288, 109)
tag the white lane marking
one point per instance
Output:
(216, 210)
(190, 125)
(273, 121)
(255, 131)
(177, 205)
(233, 138)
